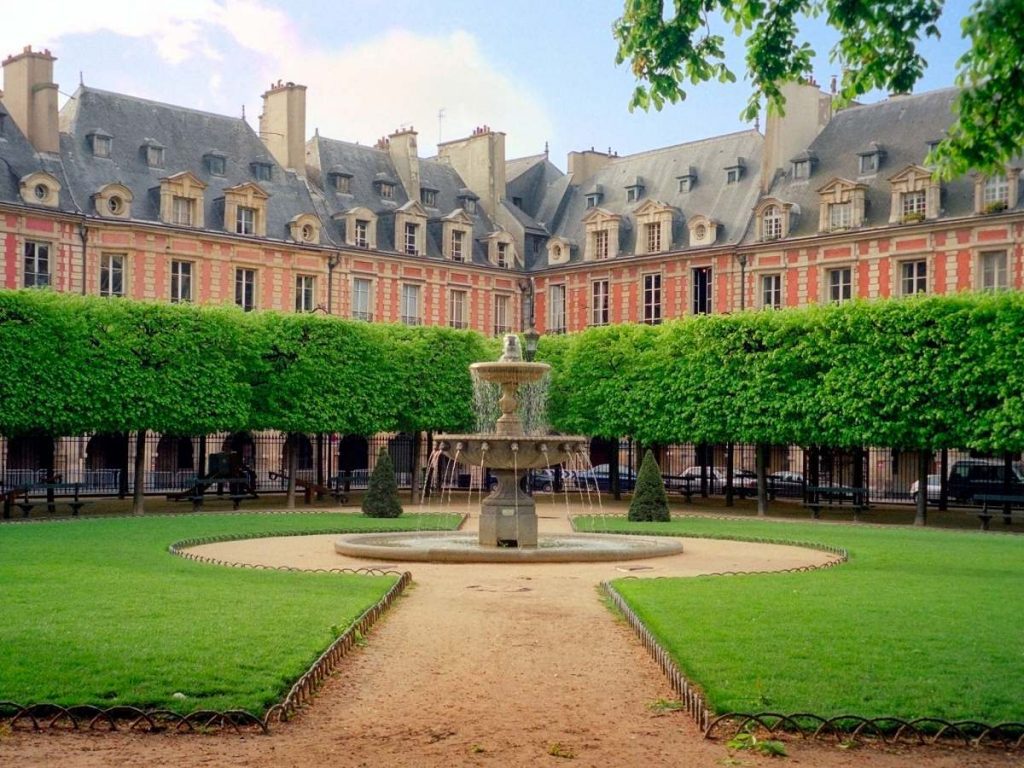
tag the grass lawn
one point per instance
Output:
(97, 612)
(917, 623)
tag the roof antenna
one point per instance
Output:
(81, 79)
(243, 111)
(545, 149)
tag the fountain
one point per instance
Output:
(508, 516)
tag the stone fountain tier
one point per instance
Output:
(512, 452)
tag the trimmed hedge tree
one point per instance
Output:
(381, 499)
(650, 503)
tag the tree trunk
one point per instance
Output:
(292, 457)
(122, 479)
(415, 482)
(924, 461)
(944, 480)
(729, 459)
(138, 505)
(614, 482)
(761, 459)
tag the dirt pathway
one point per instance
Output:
(482, 665)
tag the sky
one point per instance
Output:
(544, 73)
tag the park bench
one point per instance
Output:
(50, 494)
(239, 489)
(309, 487)
(827, 496)
(993, 504)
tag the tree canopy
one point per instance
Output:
(877, 48)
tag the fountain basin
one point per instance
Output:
(512, 451)
(446, 547)
(510, 371)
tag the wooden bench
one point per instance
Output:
(991, 502)
(50, 494)
(836, 494)
(239, 489)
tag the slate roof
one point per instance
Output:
(186, 135)
(901, 127)
(527, 179)
(18, 159)
(564, 204)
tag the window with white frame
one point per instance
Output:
(181, 281)
(245, 220)
(457, 303)
(410, 237)
(502, 256)
(112, 274)
(182, 210)
(913, 277)
(702, 290)
(305, 293)
(653, 230)
(599, 302)
(593, 200)
(913, 205)
(995, 192)
(652, 299)
(771, 291)
(361, 237)
(341, 183)
(36, 264)
(411, 304)
(633, 194)
(502, 324)
(601, 244)
(771, 223)
(362, 288)
(429, 197)
(387, 191)
(245, 288)
(840, 284)
(993, 271)
(216, 164)
(556, 308)
(458, 237)
(840, 216)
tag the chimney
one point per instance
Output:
(583, 165)
(808, 110)
(480, 161)
(401, 146)
(283, 125)
(30, 96)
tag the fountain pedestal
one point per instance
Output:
(508, 517)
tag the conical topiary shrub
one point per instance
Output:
(649, 504)
(381, 499)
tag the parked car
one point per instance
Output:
(787, 483)
(537, 480)
(743, 480)
(970, 477)
(597, 478)
(934, 488)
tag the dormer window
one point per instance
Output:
(840, 216)
(428, 196)
(773, 219)
(803, 165)
(469, 205)
(734, 172)
(771, 223)
(262, 171)
(113, 200)
(593, 200)
(386, 190)
(688, 180)
(635, 190)
(154, 154)
(216, 163)
(594, 196)
(360, 237)
(869, 159)
(502, 257)
(995, 193)
(102, 143)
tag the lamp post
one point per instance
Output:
(742, 259)
(332, 262)
(532, 338)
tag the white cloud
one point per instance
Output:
(357, 93)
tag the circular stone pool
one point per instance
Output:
(444, 547)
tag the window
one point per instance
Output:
(517, 202)
(37, 264)
(361, 238)
(653, 231)
(686, 183)
(245, 220)
(502, 258)
(913, 277)
(112, 274)
(652, 299)
(913, 205)
(771, 223)
(732, 175)
(601, 244)
(411, 304)
(469, 205)
(181, 281)
(115, 205)
(868, 164)
(429, 197)
(993, 271)
(457, 309)
(305, 293)
(457, 238)
(387, 191)
(593, 200)
(182, 209)
(701, 231)
(599, 302)
(995, 193)
(101, 145)
(216, 164)
(245, 289)
(262, 171)
(361, 297)
(342, 183)
(702, 290)
(840, 216)
(840, 283)
(802, 169)
(154, 156)
(41, 192)
(632, 194)
(410, 238)
(556, 308)
(501, 319)
(771, 291)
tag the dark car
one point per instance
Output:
(970, 477)
(542, 480)
(598, 478)
(786, 483)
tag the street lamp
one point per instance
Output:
(742, 259)
(532, 338)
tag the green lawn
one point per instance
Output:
(97, 612)
(917, 623)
